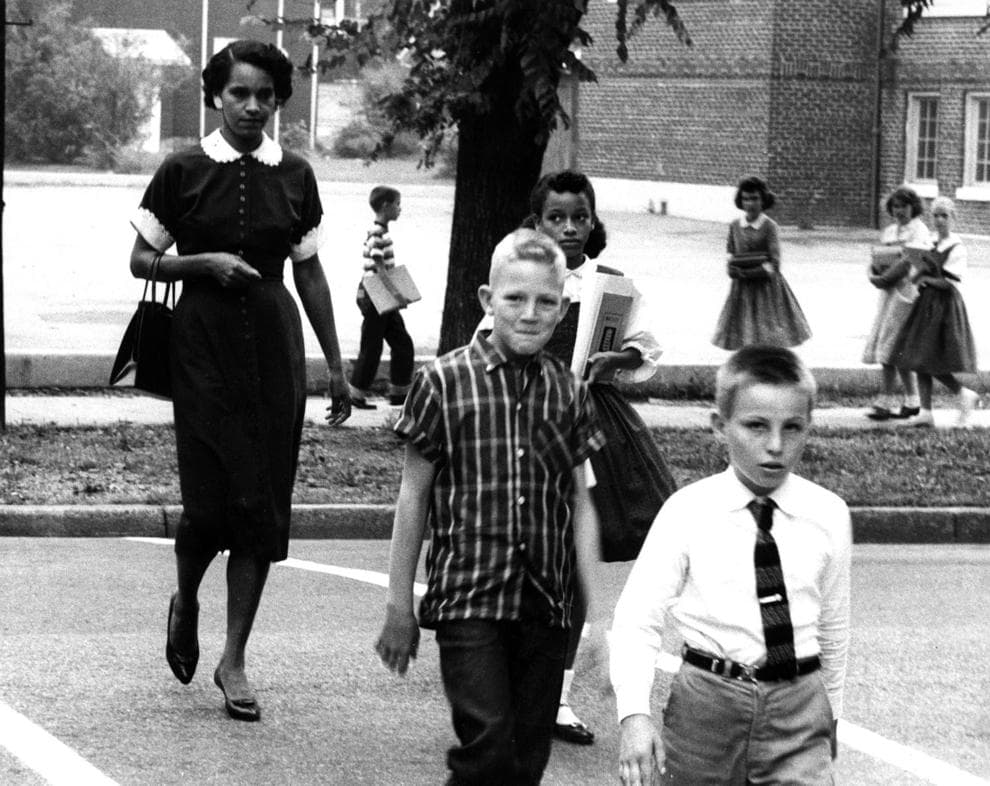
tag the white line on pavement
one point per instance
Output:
(54, 761)
(919, 764)
(915, 762)
(368, 576)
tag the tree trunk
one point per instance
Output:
(498, 163)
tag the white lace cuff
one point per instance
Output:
(650, 351)
(151, 229)
(308, 246)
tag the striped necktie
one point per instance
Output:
(771, 592)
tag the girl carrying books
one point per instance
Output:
(760, 308)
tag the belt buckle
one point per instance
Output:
(746, 672)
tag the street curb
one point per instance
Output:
(41, 370)
(892, 525)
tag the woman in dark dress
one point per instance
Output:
(236, 206)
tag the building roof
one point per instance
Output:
(155, 46)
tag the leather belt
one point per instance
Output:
(737, 671)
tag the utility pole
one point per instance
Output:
(3, 126)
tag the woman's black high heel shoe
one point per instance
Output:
(238, 709)
(183, 666)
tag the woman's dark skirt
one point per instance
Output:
(238, 373)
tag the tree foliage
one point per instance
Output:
(66, 97)
(458, 51)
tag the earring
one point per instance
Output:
(217, 103)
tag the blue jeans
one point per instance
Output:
(502, 680)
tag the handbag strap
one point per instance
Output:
(153, 280)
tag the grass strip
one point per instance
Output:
(135, 464)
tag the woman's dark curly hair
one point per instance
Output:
(905, 196)
(267, 57)
(568, 181)
(754, 185)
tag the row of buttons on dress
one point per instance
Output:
(243, 199)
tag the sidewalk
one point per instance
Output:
(97, 410)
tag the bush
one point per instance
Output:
(66, 97)
(356, 140)
(295, 137)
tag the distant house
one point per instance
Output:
(806, 94)
(171, 66)
(202, 28)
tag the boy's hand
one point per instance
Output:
(640, 751)
(399, 639)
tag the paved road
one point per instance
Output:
(67, 287)
(81, 641)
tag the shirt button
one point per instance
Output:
(243, 198)
(521, 452)
(522, 546)
(241, 210)
(521, 501)
(242, 186)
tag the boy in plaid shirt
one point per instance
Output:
(497, 434)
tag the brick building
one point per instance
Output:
(810, 98)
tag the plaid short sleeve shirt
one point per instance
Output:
(505, 440)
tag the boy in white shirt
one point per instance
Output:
(753, 567)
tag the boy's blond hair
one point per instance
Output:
(530, 245)
(755, 365)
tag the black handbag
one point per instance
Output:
(632, 479)
(143, 358)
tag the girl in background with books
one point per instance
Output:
(760, 308)
(562, 205)
(891, 275)
(937, 341)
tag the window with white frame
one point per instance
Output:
(922, 138)
(977, 159)
(333, 11)
(958, 8)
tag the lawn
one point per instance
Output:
(136, 464)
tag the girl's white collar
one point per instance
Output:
(218, 149)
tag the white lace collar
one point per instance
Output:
(753, 224)
(219, 149)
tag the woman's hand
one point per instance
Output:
(340, 399)
(230, 271)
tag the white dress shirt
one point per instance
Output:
(697, 563)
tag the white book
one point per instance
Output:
(606, 302)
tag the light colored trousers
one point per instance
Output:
(730, 732)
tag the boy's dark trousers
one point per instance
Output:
(503, 681)
(375, 329)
